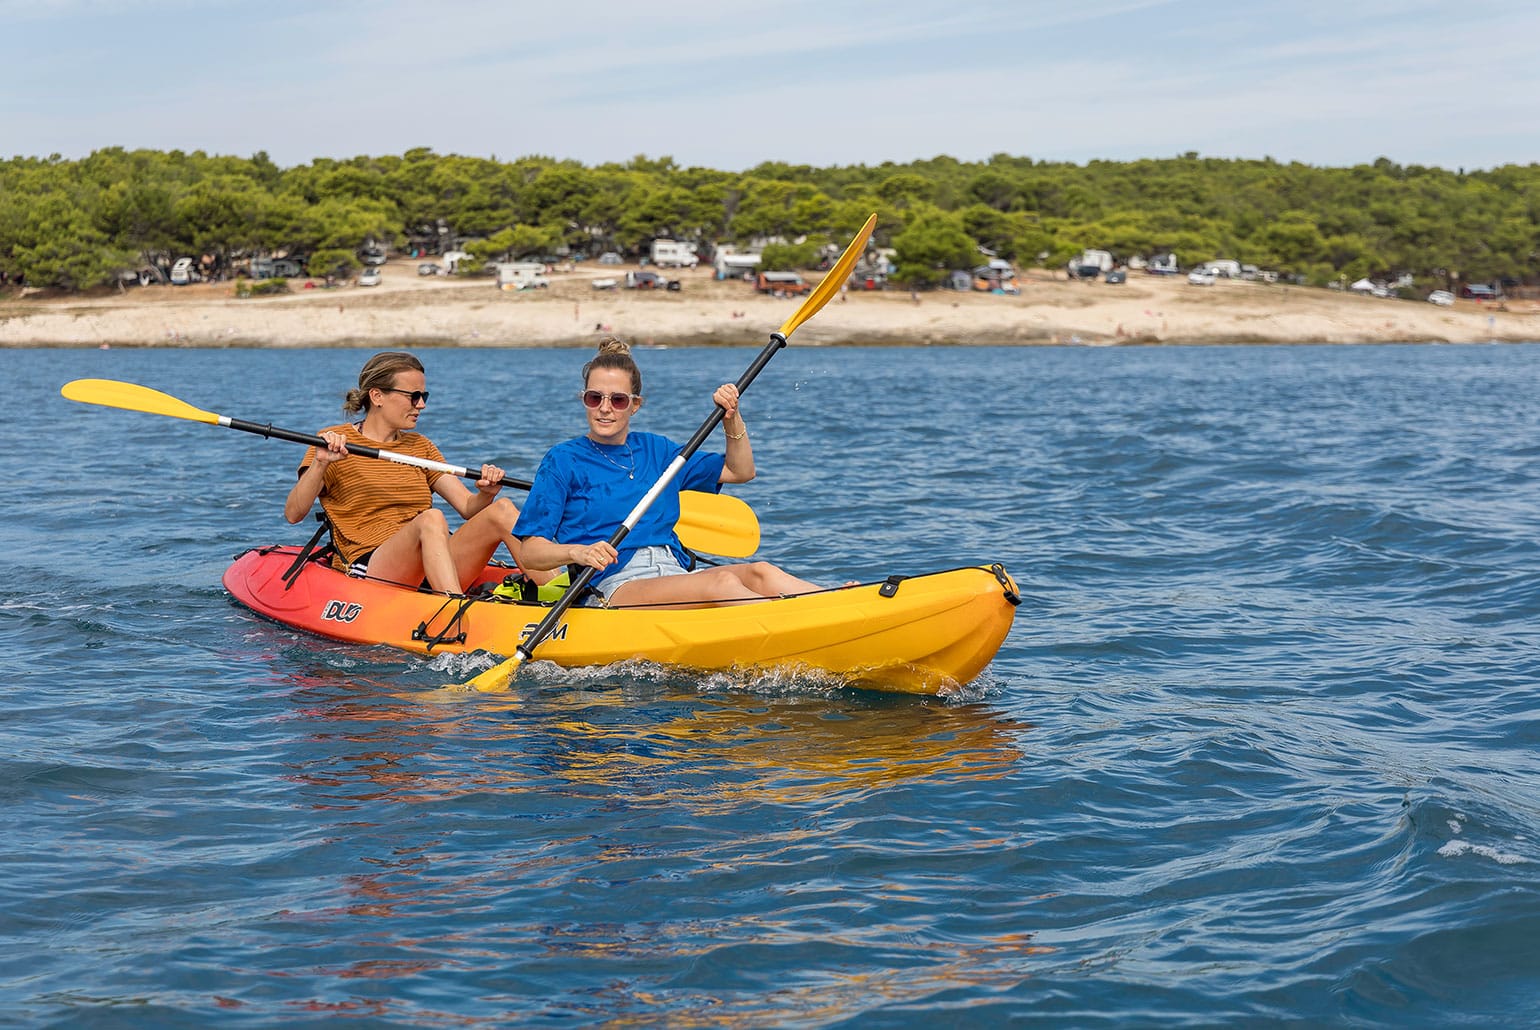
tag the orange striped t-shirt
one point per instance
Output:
(367, 500)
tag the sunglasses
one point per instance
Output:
(415, 396)
(618, 401)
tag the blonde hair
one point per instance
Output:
(615, 353)
(379, 373)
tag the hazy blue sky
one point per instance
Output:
(728, 84)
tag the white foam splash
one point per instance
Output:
(1455, 848)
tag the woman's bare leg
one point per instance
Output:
(474, 543)
(709, 588)
(418, 551)
(768, 580)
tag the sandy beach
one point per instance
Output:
(410, 310)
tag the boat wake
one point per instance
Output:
(652, 677)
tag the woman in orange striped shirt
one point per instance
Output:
(382, 516)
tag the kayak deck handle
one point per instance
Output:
(1012, 594)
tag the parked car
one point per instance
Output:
(1478, 291)
(1117, 275)
(1201, 277)
(429, 268)
(781, 284)
(605, 284)
(276, 268)
(1443, 298)
(369, 276)
(645, 280)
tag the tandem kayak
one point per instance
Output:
(921, 634)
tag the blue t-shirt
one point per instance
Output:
(582, 493)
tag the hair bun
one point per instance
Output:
(611, 345)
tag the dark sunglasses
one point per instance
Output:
(618, 401)
(415, 396)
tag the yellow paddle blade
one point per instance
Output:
(112, 394)
(717, 524)
(834, 280)
(495, 680)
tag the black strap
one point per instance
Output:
(452, 632)
(696, 559)
(291, 574)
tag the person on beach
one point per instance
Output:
(586, 486)
(382, 517)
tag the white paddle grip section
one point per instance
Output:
(652, 495)
(424, 463)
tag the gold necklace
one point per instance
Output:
(630, 472)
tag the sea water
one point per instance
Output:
(1261, 746)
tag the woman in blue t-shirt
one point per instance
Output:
(586, 486)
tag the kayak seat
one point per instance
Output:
(519, 587)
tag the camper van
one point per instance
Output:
(671, 254)
(729, 265)
(1090, 264)
(183, 272)
(521, 275)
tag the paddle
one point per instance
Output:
(497, 677)
(712, 523)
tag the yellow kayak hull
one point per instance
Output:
(922, 634)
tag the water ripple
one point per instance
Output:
(1260, 749)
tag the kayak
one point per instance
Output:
(922, 634)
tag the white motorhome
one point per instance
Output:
(1090, 264)
(1224, 267)
(183, 272)
(735, 266)
(672, 254)
(521, 275)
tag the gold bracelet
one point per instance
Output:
(730, 436)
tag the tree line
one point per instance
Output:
(78, 224)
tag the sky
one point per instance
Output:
(730, 84)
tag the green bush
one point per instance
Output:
(261, 287)
(788, 257)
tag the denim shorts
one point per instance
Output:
(646, 563)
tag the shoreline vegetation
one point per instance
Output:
(82, 231)
(408, 310)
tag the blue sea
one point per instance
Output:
(1262, 748)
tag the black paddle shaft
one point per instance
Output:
(273, 432)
